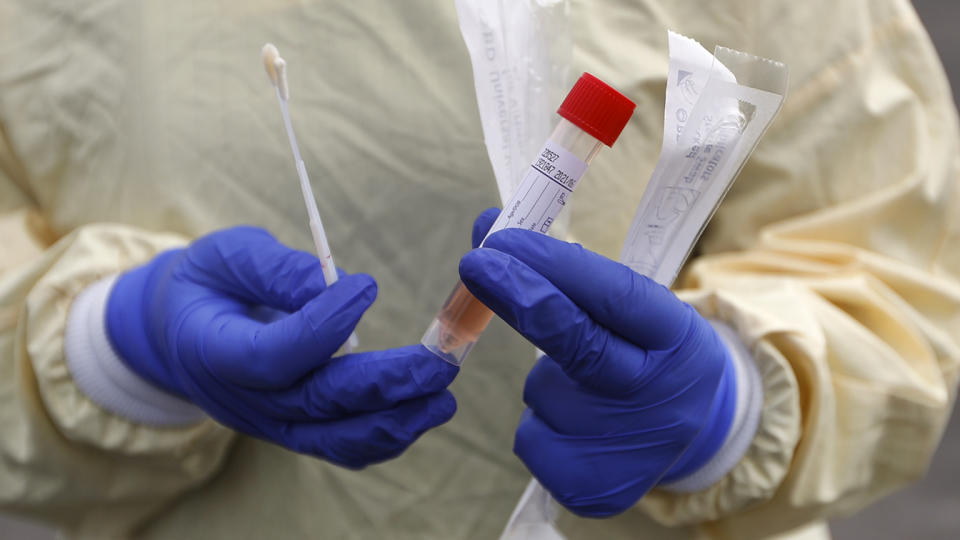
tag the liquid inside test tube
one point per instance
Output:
(457, 326)
(592, 115)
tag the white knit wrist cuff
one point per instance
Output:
(746, 418)
(100, 373)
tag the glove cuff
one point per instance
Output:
(746, 418)
(102, 375)
(127, 325)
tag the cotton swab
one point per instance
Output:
(277, 71)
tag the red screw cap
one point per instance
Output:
(595, 107)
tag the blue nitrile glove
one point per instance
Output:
(245, 328)
(637, 388)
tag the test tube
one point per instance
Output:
(592, 115)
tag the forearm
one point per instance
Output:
(65, 454)
(859, 373)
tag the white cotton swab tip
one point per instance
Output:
(276, 68)
(269, 55)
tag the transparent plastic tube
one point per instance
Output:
(593, 114)
(534, 206)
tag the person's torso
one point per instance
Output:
(159, 115)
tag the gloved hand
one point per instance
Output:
(637, 388)
(245, 328)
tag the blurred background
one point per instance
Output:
(929, 510)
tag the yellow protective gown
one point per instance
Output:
(129, 127)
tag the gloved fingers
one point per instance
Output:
(482, 224)
(245, 352)
(630, 304)
(572, 408)
(359, 383)
(533, 306)
(570, 468)
(358, 441)
(250, 264)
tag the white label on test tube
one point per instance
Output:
(544, 191)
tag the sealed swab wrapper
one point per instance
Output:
(717, 109)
